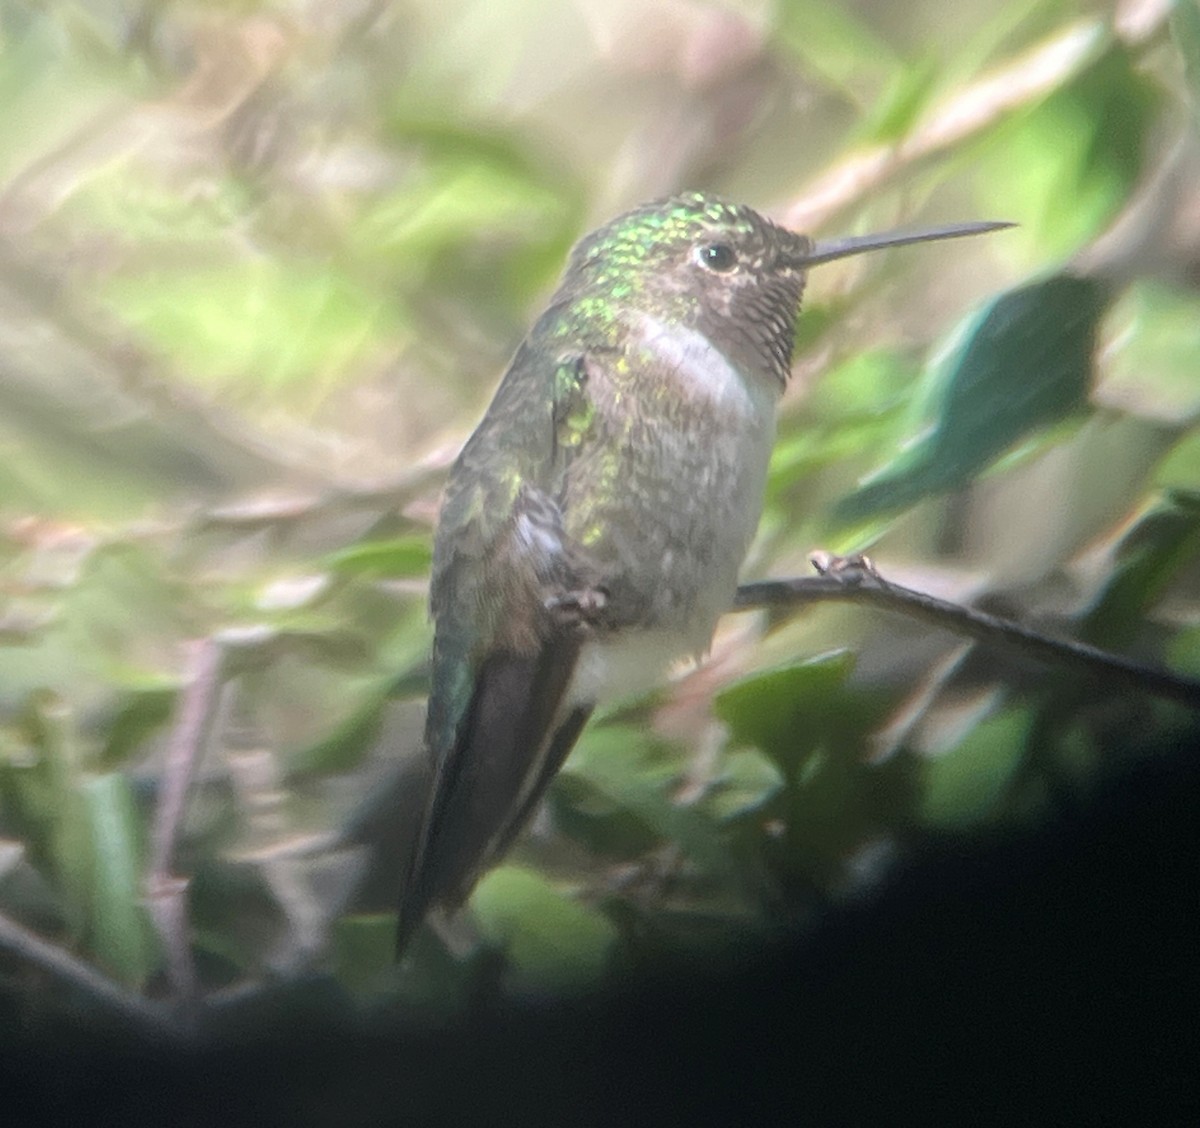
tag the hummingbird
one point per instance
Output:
(593, 526)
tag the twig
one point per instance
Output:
(198, 710)
(62, 965)
(966, 113)
(166, 893)
(296, 507)
(855, 580)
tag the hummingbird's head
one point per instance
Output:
(721, 269)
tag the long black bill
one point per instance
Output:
(857, 244)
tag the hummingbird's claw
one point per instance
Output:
(849, 569)
(578, 608)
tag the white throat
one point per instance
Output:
(701, 367)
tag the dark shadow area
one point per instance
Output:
(1046, 978)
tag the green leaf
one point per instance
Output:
(836, 44)
(141, 713)
(348, 744)
(41, 799)
(364, 950)
(1025, 361)
(128, 201)
(1185, 30)
(1150, 370)
(964, 787)
(815, 728)
(1068, 165)
(1180, 468)
(124, 617)
(398, 557)
(1150, 555)
(853, 409)
(901, 103)
(747, 780)
(453, 205)
(479, 194)
(625, 774)
(552, 941)
(119, 927)
(282, 321)
(788, 712)
(1183, 653)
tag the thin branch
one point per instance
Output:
(855, 580)
(968, 112)
(292, 508)
(62, 965)
(166, 894)
(189, 735)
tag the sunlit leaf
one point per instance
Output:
(478, 194)
(400, 556)
(282, 322)
(1066, 166)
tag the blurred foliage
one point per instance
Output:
(260, 266)
(1025, 362)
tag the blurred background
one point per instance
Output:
(261, 265)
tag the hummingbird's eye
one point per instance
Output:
(717, 256)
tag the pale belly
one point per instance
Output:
(624, 665)
(687, 572)
(677, 528)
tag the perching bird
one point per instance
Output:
(594, 524)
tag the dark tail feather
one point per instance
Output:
(559, 748)
(489, 782)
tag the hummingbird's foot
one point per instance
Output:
(850, 570)
(578, 608)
